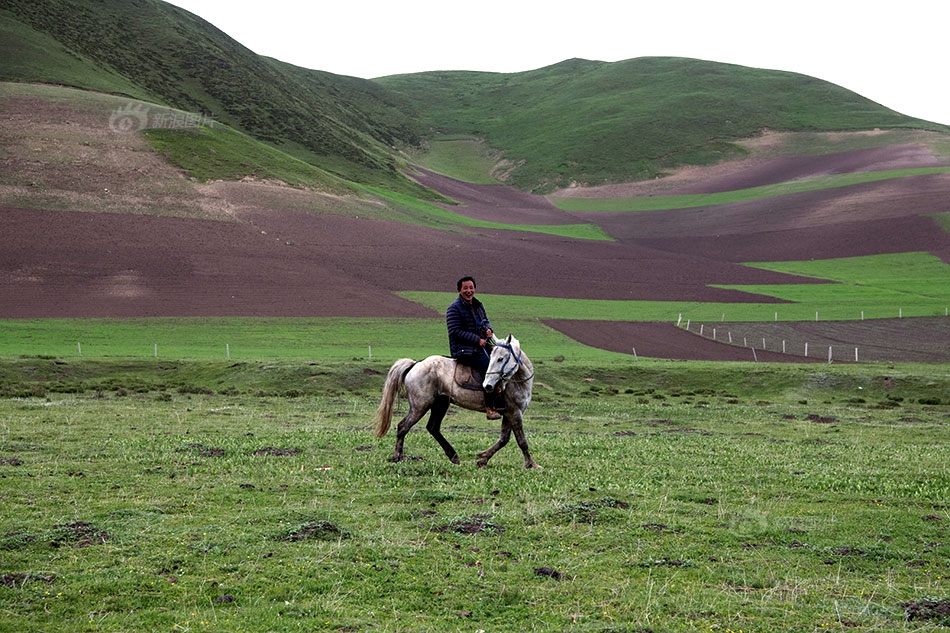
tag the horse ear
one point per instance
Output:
(508, 340)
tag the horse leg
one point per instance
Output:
(439, 409)
(522, 441)
(403, 428)
(484, 456)
(510, 424)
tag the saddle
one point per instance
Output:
(468, 377)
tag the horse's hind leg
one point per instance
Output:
(405, 425)
(439, 408)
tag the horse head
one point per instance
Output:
(504, 363)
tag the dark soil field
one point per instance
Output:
(251, 251)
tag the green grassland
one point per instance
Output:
(463, 158)
(242, 339)
(343, 125)
(217, 152)
(675, 497)
(576, 121)
(428, 214)
(596, 122)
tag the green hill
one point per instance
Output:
(155, 51)
(577, 121)
(597, 122)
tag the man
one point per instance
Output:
(470, 337)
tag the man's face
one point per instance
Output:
(467, 291)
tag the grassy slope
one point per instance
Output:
(342, 124)
(574, 121)
(597, 122)
(38, 57)
(218, 152)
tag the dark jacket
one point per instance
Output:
(466, 324)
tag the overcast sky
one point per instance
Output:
(894, 53)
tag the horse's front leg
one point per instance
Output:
(522, 441)
(434, 426)
(503, 438)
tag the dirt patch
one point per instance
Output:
(549, 572)
(21, 578)
(78, 534)
(925, 340)
(935, 610)
(319, 530)
(908, 150)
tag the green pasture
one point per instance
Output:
(241, 339)
(685, 201)
(217, 152)
(675, 497)
(428, 214)
(461, 157)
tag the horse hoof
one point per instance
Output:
(534, 466)
(455, 460)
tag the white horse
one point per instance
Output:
(429, 385)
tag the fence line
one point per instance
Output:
(807, 349)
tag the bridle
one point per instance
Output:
(516, 364)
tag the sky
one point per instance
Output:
(894, 53)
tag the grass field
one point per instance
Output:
(427, 214)
(254, 339)
(222, 496)
(461, 157)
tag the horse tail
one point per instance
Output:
(395, 383)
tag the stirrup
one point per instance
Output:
(491, 414)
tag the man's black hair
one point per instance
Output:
(464, 279)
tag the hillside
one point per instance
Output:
(592, 123)
(576, 122)
(155, 51)
(96, 224)
(299, 196)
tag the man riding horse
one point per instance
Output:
(471, 339)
